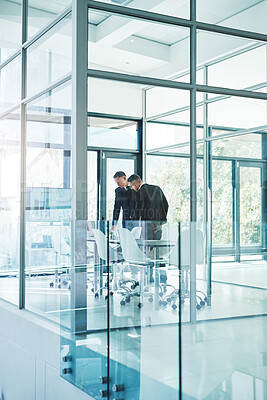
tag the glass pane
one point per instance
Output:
(172, 175)
(105, 132)
(173, 101)
(113, 165)
(49, 58)
(241, 62)
(161, 135)
(9, 206)
(92, 185)
(123, 44)
(222, 203)
(10, 27)
(250, 205)
(111, 97)
(10, 84)
(176, 9)
(130, 317)
(240, 71)
(41, 13)
(247, 146)
(48, 200)
(237, 114)
(247, 15)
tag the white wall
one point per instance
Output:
(30, 358)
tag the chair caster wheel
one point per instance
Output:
(140, 305)
(174, 306)
(96, 295)
(69, 287)
(168, 300)
(51, 284)
(160, 294)
(64, 283)
(92, 290)
(59, 286)
(160, 303)
(164, 303)
(205, 299)
(198, 306)
(111, 293)
(182, 301)
(128, 299)
(202, 303)
(106, 297)
(150, 299)
(122, 302)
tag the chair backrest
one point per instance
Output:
(101, 243)
(185, 249)
(60, 244)
(130, 249)
(136, 231)
(170, 232)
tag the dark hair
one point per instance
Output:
(134, 177)
(119, 174)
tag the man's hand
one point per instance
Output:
(113, 228)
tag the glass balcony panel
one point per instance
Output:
(48, 201)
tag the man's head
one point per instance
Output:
(135, 182)
(120, 179)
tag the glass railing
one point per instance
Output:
(121, 336)
(146, 318)
(141, 315)
(47, 266)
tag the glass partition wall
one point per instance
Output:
(177, 94)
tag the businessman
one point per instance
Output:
(151, 206)
(124, 201)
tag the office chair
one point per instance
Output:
(138, 259)
(115, 258)
(62, 249)
(136, 231)
(183, 291)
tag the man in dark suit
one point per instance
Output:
(125, 201)
(151, 206)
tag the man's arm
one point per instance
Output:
(117, 207)
(140, 203)
(165, 206)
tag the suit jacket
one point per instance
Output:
(125, 200)
(151, 204)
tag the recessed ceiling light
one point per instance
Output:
(131, 40)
